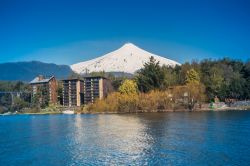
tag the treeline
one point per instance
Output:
(15, 101)
(17, 96)
(225, 78)
(13, 86)
(156, 87)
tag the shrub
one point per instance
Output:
(127, 103)
(177, 97)
(164, 100)
(109, 104)
(154, 100)
(189, 95)
(115, 102)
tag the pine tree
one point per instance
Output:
(151, 76)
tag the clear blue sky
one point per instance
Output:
(65, 32)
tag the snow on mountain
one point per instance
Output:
(129, 58)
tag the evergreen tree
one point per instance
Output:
(150, 77)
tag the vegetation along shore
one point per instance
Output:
(198, 86)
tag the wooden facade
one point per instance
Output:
(45, 87)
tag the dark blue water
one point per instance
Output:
(201, 138)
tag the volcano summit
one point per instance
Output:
(128, 59)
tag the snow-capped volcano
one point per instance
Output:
(129, 58)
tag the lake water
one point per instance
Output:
(191, 138)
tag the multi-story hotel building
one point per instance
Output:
(77, 92)
(44, 88)
(96, 88)
(73, 92)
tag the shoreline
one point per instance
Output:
(140, 111)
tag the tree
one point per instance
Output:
(117, 82)
(74, 75)
(35, 101)
(128, 87)
(237, 87)
(41, 98)
(246, 76)
(246, 70)
(60, 92)
(192, 76)
(196, 92)
(100, 73)
(5, 100)
(214, 81)
(19, 104)
(247, 90)
(150, 77)
(194, 88)
(170, 76)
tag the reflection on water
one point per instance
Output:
(210, 138)
(106, 134)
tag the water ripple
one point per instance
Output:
(208, 138)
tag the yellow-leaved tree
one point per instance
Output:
(194, 88)
(128, 87)
(192, 76)
(129, 98)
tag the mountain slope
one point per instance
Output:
(26, 71)
(129, 58)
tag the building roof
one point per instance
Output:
(95, 77)
(83, 78)
(72, 79)
(38, 80)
